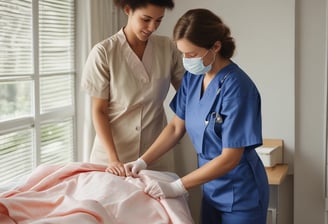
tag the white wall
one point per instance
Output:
(311, 60)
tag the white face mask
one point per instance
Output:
(196, 65)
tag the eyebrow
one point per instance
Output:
(191, 52)
(149, 17)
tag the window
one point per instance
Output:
(37, 79)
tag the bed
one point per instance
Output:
(83, 193)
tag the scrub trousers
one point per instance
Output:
(210, 215)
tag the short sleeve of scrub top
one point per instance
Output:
(241, 112)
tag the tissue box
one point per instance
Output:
(270, 155)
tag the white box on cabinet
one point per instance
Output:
(270, 155)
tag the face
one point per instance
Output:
(190, 50)
(144, 21)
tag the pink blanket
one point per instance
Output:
(83, 193)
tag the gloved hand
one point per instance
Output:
(133, 168)
(159, 189)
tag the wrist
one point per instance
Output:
(142, 162)
(179, 185)
(112, 157)
(113, 161)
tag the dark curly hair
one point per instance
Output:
(135, 4)
(203, 28)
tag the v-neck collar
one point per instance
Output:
(141, 68)
(213, 86)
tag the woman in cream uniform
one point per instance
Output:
(128, 76)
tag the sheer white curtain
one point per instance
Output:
(96, 20)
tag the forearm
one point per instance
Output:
(168, 138)
(215, 168)
(103, 130)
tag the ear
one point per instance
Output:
(217, 46)
(127, 10)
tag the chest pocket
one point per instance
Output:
(215, 121)
(212, 142)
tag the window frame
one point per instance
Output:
(37, 119)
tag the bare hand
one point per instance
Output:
(116, 168)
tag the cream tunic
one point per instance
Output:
(135, 91)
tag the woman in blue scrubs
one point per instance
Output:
(220, 108)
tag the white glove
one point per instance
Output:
(134, 167)
(159, 189)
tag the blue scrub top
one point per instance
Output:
(238, 104)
